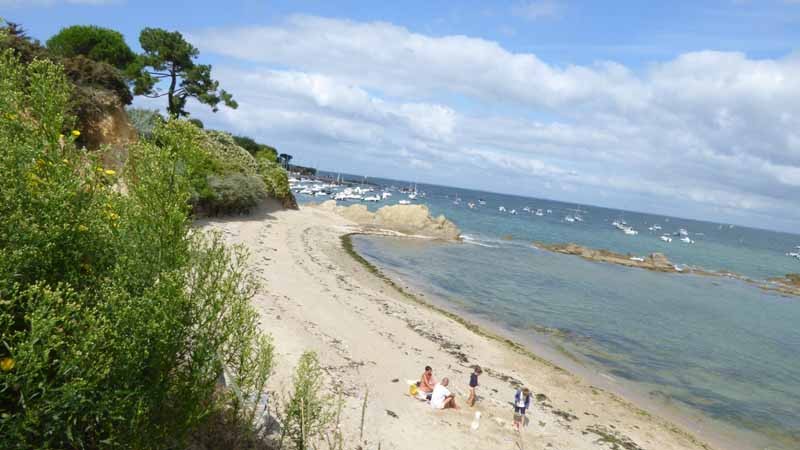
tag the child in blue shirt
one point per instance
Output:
(522, 401)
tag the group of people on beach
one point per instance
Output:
(440, 397)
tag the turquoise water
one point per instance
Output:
(717, 345)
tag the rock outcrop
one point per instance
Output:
(655, 261)
(788, 284)
(406, 219)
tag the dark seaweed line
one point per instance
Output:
(347, 245)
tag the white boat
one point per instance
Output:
(687, 240)
(471, 205)
(349, 194)
(666, 238)
(526, 209)
(578, 218)
(513, 212)
(372, 198)
(794, 255)
(502, 209)
(637, 258)
(385, 195)
(620, 225)
(655, 227)
(412, 196)
(683, 232)
(481, 201)
(404, 202)
(569, 219)
(539, 212)
(630, 231)
(549, 211)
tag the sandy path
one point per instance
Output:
(316, 297)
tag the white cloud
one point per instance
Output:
(704, 130)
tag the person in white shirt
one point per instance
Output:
(442, 398)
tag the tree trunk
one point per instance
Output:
(171, 94)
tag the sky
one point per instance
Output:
(683, 108)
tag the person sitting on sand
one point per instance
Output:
(473, 383)
(427, 383)
(522, 401)
(442, 398)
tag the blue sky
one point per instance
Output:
(686, 108)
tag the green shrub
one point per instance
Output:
(95, 43)
(13, 36)
(116, 317)
(87, 73)
(309, 411)
(234, 193)
(276, 180)
(234, 157)
(144, 120)
(255, 148)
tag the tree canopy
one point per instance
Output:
(255, 148)
(96, 43)
(169, 57)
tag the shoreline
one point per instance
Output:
(318, 294)
(717, 434)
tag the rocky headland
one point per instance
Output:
(413, 220)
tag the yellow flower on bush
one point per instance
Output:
(110, 172)
(76, 133)
(6, 364)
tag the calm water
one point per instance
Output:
(717, 345)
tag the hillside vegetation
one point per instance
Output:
(117, 318)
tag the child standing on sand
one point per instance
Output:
(522, 401)
(473, 383)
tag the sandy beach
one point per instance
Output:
(373, 338)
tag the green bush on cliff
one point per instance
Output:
(93, 42)
(235, 193)
(116, 317)
(276, 180)
(234, 157)
(254, 147)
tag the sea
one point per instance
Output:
(717, 352)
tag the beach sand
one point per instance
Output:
(370, 337)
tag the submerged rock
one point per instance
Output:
(655, 261)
